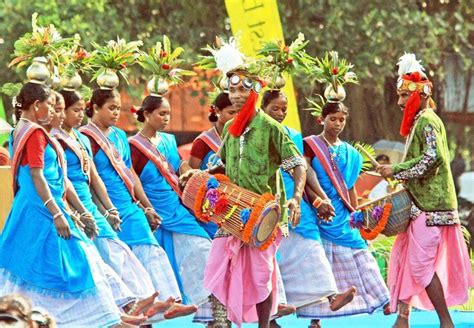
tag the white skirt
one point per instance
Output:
(156, 263)
(88, 311)
(126, 265)
(306, 272)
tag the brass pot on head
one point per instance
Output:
(71, 82)
(277, 82)
(333, 95)
(157, 86)
(108, 80)
(38, 71)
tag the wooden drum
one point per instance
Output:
(248, 216)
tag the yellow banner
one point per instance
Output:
(257, 21)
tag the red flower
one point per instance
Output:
(133, 109)
(289, 60)
(335, 70)
(163, 54)
(165, 66)
(123, 65)
(286, 49)
(221, 205)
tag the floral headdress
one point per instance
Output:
(281, 59)
(115, 56)
(41, 49)
(163, 63)
(412, 79)
(334, 72)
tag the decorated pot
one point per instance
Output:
(335, 95)
(38, 71)
(157, 86)
(71, 82)
(108, 80)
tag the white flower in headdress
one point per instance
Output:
(228, 56)
(408, 64)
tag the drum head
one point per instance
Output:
(267, 223)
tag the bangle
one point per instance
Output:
(138, 202)
(149, 209)
(317, 202)
(83, 214)
(106, 215)
(57, 215)
(112, 209)
(46, 203)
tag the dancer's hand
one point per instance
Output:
(293, 206)
(153, 218)
(326, 211)
(385, 170)
(62, 227)
(184, 178)
(114, 220)
(90, 228)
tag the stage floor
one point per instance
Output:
(419, 319)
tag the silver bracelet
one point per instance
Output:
(46, 203)
(149, 209)
(57, 215)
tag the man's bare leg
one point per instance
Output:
(264, 310)
(403, 316)
(436, 295)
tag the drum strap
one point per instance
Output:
(321, 151)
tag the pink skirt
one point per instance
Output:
(240, 277)
(420, 252)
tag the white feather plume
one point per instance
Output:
(228, 56)
(408, 64)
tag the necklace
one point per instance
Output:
(333, 150)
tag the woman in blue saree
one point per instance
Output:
(337, 165)
(43, 255)
(302, 259)
(133, 288)
(156, 161)
(111, 155)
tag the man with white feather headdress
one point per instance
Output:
(254, 146)
(429, 265)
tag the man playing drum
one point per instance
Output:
(241, 277)
(429, 264)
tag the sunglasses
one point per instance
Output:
(247, 82)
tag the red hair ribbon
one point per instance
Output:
(133, 109)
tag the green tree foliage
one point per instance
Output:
(371, 34)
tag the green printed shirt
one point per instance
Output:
(426, 171)
(252, 161)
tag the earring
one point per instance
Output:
(96, 112)
(36, 109)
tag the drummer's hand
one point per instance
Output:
(326, 211)
(154, 219)
(183, 178)
(62, 227)
(385, 170)
(293, 206)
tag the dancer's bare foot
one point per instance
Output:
(402, 322)
(160, 306)
(142, 305)
(315, 323)
(340, 300)
(180, 310)
(133, 320)
(285, 309)
(274, 324)
(386, 309)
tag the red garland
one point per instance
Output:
(412, 107)
(242, 120)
